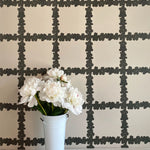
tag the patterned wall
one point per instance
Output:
(103, 45)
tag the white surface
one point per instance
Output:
(102, 149)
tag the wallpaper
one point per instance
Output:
(102, 45)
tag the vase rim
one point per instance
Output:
(55, 116)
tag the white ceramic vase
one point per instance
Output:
(54, 131)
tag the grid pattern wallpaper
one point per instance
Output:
(89, 36)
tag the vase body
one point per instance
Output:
(54, 131)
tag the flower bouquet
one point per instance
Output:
(53, 95)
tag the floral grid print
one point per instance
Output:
(23, 31)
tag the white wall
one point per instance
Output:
(105, 53)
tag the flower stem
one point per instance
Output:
(40, 104)
(52, 106)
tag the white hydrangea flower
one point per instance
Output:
(46, 78)
(33, 102)
(53, 92)
(66, 84)
(63, 78)
(55, 73)
(74, 101)
(28, 91)
(53, 88)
